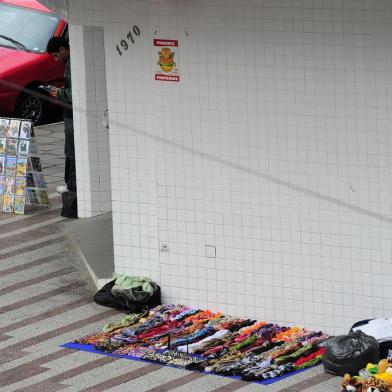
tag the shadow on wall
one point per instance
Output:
(227, 163)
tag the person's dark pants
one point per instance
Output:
(70, 208)
(69, 152)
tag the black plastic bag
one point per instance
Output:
(384, 346)
(350, 353)
(105, 297)
(70, 205)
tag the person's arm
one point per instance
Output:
(65, 95)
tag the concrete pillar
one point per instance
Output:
(91, 137)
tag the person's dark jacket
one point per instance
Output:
(65, 93)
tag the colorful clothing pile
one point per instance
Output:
(211, 342)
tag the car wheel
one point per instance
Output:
(31, 107)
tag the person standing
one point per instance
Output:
(60, 51)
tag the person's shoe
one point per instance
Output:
(61, 188)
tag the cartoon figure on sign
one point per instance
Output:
(166, 60)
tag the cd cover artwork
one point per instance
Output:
(43, 196)
(9, 184)
(39, 180)
(4, 123)
(11, 147)
(10, 166)
(36, 164)
(7, 131)
(8, 202)
(32, 196)
(14, 128)
(20, 186)
(33, 147)
(21, 167)
(19, 206)
(3, 142)
(30, 180)
(25, 130)
(23, 148)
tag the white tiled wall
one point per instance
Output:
(274, 148)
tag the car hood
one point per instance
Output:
(11, 60)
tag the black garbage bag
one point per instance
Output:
(350, 353)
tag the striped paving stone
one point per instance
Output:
(180, 381)
(290, 384)
(9, 352)
(113, 374)
(36, 292)
(52, 309)
(56, 325)
(31, 234)
(314, 381)
(212, 383)
(39, 305)
(6, 219)
(331, 384)
(29, 222)
(47, 348)
(20, 260)
(31, 368)
(239, 386)
(160, 378)
(23, 284)
(23, 250)
(28, 267)
(50, 343)
(56, 381)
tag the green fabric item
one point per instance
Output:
(243, 344)
(310, 363)
(295, 355)
(65, 94)
(132, 282)
(127, 321)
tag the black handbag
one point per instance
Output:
(350, 353)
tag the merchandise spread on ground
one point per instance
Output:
(211, 342)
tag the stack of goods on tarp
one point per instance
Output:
(373, 378)
(211, 342)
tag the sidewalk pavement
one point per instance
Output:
(46, 300)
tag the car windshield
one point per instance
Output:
(31, 28)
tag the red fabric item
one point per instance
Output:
(300, 361)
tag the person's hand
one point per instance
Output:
(53, 91)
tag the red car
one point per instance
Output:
(25, 28)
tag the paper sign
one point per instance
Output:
(166, 68)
